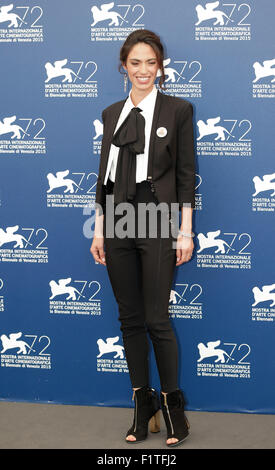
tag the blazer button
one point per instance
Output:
(152, 187)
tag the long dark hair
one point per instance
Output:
(150, 38)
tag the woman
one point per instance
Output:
(147, 157)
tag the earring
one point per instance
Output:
(125, 82)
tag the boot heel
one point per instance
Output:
(154, 423)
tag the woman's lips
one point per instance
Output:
(143, 79)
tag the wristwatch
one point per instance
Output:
(190, 235)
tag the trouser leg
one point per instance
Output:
(158, 266)
(124, 270)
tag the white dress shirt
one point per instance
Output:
(147, 105)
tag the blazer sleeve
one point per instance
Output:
(185, 165)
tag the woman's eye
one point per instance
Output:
(136, 63)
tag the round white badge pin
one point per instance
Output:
(161, 132)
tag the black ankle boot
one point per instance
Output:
(177, 425)
(147, 410)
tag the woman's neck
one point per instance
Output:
(138, 95)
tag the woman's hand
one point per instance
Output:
(97, 250)
(184, 250)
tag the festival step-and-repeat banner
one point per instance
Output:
(60, 338)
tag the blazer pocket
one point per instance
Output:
(169, 151)
(168, 155)
(163, 160)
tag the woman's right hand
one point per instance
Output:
(97, 250)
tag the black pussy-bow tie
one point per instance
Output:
(130, 137)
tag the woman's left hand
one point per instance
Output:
(184, 250)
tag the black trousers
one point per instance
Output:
(141, 273)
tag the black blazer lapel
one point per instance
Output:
(109, 128)
(158, 104)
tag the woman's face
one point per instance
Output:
(142, 67)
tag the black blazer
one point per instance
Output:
(171, 160)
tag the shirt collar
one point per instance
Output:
(147, 102)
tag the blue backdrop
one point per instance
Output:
(59, 329)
